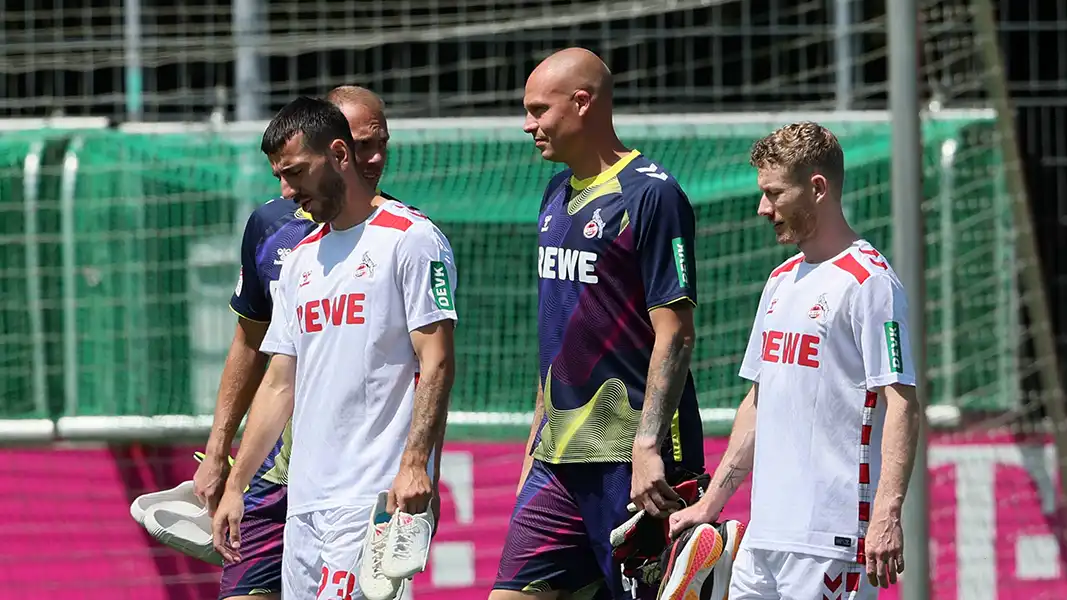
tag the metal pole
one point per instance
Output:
(69, 262)
(248, 72)
(131, 26)
(843, 58)
(908, 247)
(248, 27)
(31, 182)
(948, 270)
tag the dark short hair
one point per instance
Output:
(320, 121)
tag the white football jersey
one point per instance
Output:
(826, 337)
(345, 305)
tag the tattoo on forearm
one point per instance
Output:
(733, 478)
(664, 390)
(429, 414)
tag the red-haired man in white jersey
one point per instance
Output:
(362, 360)
(829, 427)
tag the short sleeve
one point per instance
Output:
(427, 272)
(281, 337)
(753, 359)
(666, 232)
(880, 327)
(249, 299)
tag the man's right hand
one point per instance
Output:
(226, 526)
(701, 512)
(209, 482)
(649, 489)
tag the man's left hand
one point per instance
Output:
(884, 547)
(411, 491)
(691, 516)
(648, 486)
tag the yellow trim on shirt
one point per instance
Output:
(234, 311)
(581, 184)
(670, 302)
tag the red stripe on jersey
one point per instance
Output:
(849, 264)
(865, 511)
(314, 237)
(871, 400)
(388, 219)
(787, 267)
(861, 555)
(416, 380)
(852, 582)
(876, 258)
(831, 584)
(865, 473)
(865, 435)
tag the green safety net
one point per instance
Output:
(130, 292)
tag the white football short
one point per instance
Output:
(774, 575)
(322, 553)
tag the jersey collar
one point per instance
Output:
(581, 184)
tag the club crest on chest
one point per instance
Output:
(595, 227)
(820, 311)
(366, 266)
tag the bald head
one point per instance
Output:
(568, 105)
(572, 70)
(355, 95)
(365, 113)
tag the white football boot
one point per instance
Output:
(408, 547)
(177, 518)
(375, 584)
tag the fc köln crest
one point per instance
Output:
(595, 227)
(820, 309)
(366, 266)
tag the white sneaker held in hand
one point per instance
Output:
(408, 547)
(374, 584)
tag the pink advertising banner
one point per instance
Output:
(65, 529)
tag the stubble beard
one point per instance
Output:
(332, 192)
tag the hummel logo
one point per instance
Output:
(651, 171)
